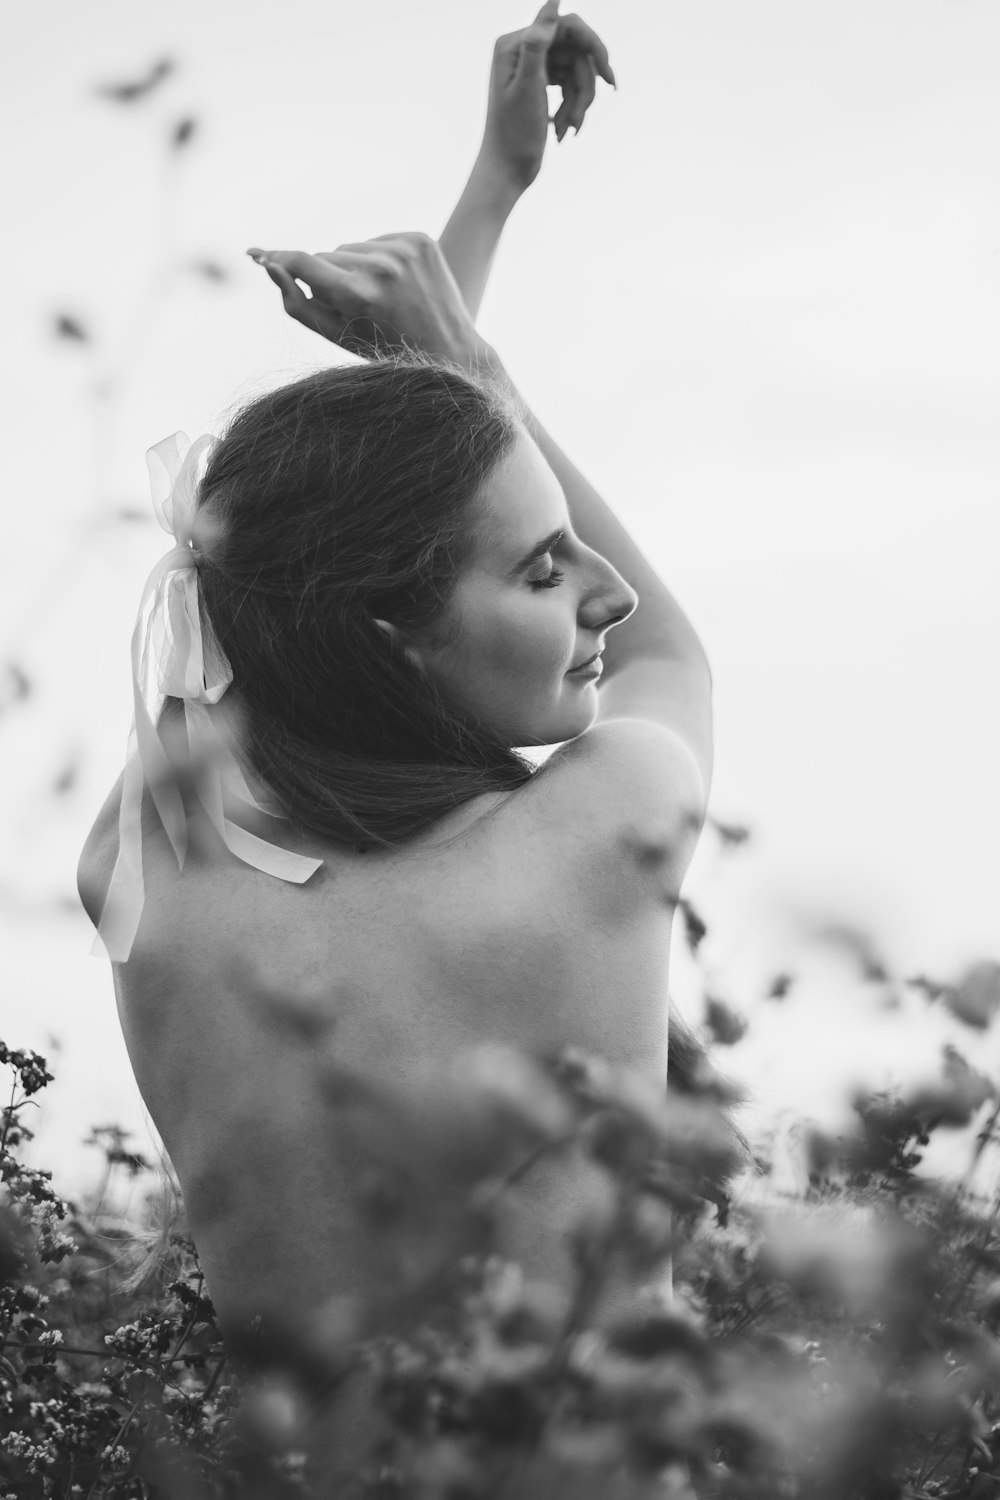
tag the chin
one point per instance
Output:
(558, 729)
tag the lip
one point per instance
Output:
(592, 667)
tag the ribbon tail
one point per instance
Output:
(240, 787)
(269, 858)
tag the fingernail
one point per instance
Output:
(258, 255)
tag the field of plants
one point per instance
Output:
(714, 1336)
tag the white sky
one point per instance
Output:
(756, 300)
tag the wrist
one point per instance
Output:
(493, 185)
(476, 355)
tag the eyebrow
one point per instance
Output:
(539, 550)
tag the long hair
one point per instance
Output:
(344, 497)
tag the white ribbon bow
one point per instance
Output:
(173, 656)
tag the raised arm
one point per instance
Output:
(554, 49)
(407, 287)
(656, 658)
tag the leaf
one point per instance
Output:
(730, 834)
(976, 998)
(17, 687)
(954, 1099)
(68, 327)
(210, 270)
(66, 780)
(693, 924)
(651, 1335)
(723, 1022)
(932, 988)
(132, 90)
(183, 132)
(860, 947)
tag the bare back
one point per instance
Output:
(536, 918)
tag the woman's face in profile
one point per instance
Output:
(529, 606)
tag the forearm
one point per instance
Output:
(470, 237)
(659, 628)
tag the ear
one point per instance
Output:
(399, 639)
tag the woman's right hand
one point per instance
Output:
(376, 294)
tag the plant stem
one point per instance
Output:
(171, 1359)
(8, 1116)
(210, 1387)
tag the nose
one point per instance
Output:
(609, 600)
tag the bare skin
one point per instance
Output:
(536, 918)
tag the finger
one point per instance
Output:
(314, 271)
(293, 298)
(586, 39)
(561, 117)
(585, 80)
(535, 40)
(566, 113)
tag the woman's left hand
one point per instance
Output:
(377, 294)
(554, 49)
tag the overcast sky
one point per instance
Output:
(756, 300)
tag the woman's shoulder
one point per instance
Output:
(627, 768)
(638, 765)
(625, 802)
(98, 855)
(159, 864)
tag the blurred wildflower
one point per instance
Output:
(975, 999)
(210, 270)
(67, 327)
(17, 687)
(694, 925)
(723, 1022)
(133, 90)
(182, 132)
(858, 944)
(731, 835)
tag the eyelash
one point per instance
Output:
(553, 580)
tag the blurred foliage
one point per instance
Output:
(836, 1344)
(131, 91)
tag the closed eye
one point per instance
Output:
(550, 582)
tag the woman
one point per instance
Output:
(401, 579)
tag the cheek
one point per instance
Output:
(531, 644)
